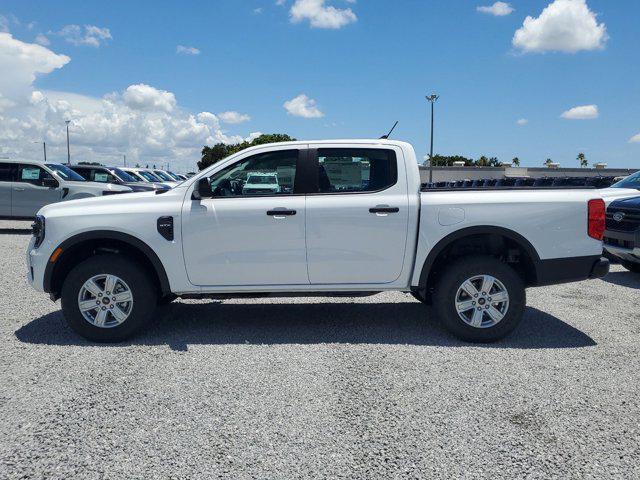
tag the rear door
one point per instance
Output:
(357, 221)
(6, 186)
(29, 194)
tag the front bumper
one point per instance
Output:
(36, 263)
(624, 245)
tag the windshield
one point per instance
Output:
(163, 176)
(65, 172)
(122, 175)
(149, 176)
(175, 175)
(632, 181)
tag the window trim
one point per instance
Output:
(313, 155)
(300, 181)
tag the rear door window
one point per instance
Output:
(348, 170)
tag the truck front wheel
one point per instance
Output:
(479, 298)
(107, 298)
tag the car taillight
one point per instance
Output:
(596, 225)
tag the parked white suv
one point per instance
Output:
(349, 217)
(26, 187)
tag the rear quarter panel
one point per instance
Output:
(553, 221)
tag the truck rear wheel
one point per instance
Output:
(107, 298)
(479, 299)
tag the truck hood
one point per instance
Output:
(628, 203)
(610, 194)
(95, 205)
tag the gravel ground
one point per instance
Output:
(308, 388)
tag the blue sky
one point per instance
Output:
(365, 64)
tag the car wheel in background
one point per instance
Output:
(107, 298)
(479, 298)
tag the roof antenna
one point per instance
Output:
(388, 134)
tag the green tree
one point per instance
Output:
(219, 151)
(548, 161)
(515, 161)
(583, 160)
(90, 163)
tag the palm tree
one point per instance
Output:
(583, 160)
(515, 161)
(548, 161)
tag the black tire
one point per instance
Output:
(136, 277)
(631, 266)
(456, 273)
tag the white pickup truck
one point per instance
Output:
(349, 217)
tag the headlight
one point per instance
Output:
(38, 230)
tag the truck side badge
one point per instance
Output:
(165, 227)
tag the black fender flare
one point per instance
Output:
(471, 231)
(109, 235)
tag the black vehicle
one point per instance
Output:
(524, 182)
(600, 182)
(477, 183)
(489, 182)
(622, 234)
(569, 182)
(506, 182)
(543, 182)
(97, 173)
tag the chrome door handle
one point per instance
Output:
(19, 189)
(384, 209)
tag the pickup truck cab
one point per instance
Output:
(27, 186)
(349, 217)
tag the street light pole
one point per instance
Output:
(44, 149)
(124, 159)
(431, 99)
(68, 151)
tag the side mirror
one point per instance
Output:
(50, 182)
(203, 189)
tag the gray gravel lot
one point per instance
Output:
(309, 388)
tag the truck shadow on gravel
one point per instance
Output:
(181, 324)
(623, 279)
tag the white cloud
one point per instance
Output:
(20, 62)
(233, 117)
(42, 40)
(303, 106)
(257, 11)
(583, 112)
(635, 139)
(498, 9)
(319, 15)
(142, 121)
(145, 97)
(522, 121)
(564, 26)
(89, 35)
(187, 50)
(281, 2)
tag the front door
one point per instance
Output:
(252, 232)
(29, 194)
(357, 222)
